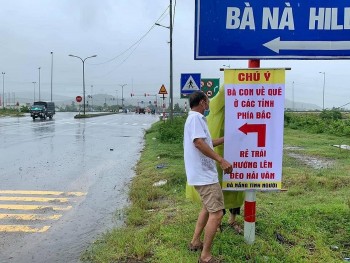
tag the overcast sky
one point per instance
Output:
(31, 29)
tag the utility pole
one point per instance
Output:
(92, 97)
(39, 82)
(3, 90)
(122, 85)
(51, 72)
(293, 96)
(171, 60)
(34, 82)
(170, 27)
(324, 86)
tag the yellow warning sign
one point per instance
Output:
(162, 90)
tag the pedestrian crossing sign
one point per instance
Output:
(190, 82)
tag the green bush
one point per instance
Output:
(332, 114)
(172, 131)
(24, 109)
(328, 122)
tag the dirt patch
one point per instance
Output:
(312, 161)
(293, 148)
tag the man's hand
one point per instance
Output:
(204, 148)
(225, 166)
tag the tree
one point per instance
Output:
(177, 108)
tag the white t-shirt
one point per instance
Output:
(200, 169)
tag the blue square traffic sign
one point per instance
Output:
(190, 82)
(272, 29)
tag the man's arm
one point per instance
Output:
(218, 141)
(204, 148)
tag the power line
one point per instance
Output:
(136, 43)
(342, 105)
(121, 63)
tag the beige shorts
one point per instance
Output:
(212, 197)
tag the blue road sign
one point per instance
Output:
(272, 29)
(190, 82)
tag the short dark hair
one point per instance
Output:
(196, 97)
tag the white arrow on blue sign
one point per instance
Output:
(190, 82)
(272, 29)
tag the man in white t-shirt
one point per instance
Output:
(201, 172)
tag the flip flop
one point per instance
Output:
(235, 226)
(211, 260)
(220, 228)
(195, 248)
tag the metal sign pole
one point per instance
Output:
(250, 196)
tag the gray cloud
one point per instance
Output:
(30, 30)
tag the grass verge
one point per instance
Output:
(308, 223)
(11, 113)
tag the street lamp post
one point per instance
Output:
(171, 57)
(3, 90)
(122, 85)
(34, 82)
(51, 72)
(92, 97)
(324, 86)
(39, 81)
(83, 60)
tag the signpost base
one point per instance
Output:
(249, 216)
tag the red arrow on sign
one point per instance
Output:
(259, 128)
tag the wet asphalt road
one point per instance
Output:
(61, 182)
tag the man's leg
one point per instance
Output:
(232, 220)
(214, 221)
(201, 222)
(213, 201)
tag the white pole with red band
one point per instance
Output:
(250, 196)
(249, 216)
(163, 108)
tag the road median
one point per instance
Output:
(84, 116)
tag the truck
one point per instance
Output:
(140, 110)
(42, 110)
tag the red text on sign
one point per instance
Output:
(253, 76)
(267, 175)
(236, 175)
(275, 92)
